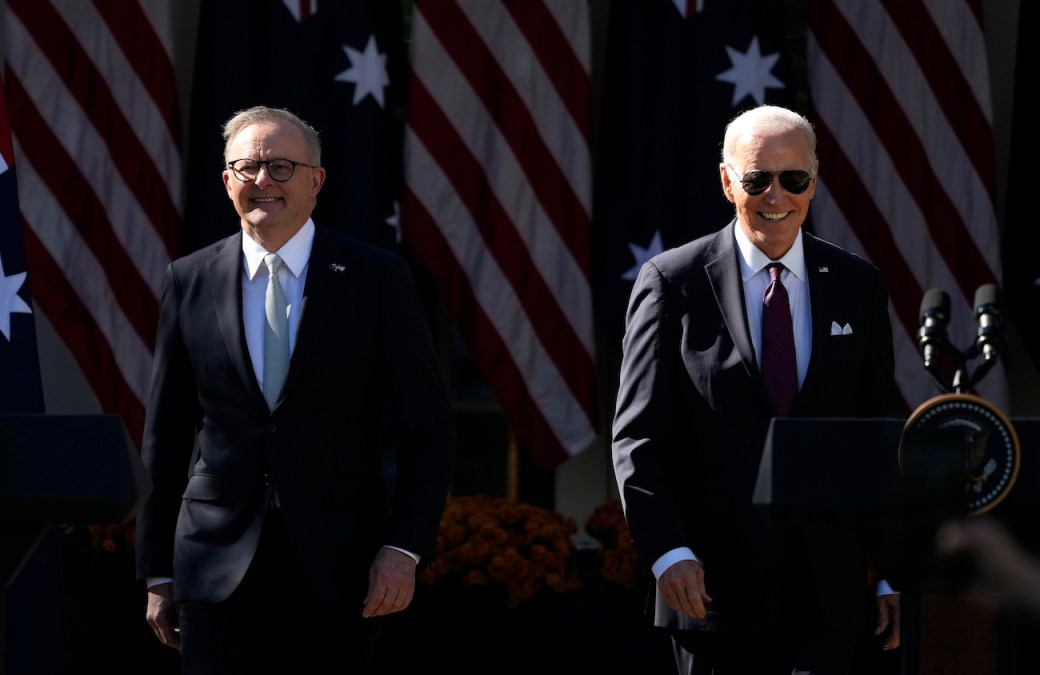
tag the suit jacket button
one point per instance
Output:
(272, 427)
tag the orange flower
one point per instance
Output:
(520, 548)
(619, 563)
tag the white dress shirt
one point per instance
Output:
(295, 255)
(755, 276)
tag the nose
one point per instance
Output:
(775, 191)
(262, 174)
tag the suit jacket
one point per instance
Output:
(692, 416)
(363, 379)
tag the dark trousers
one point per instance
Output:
(798, 642)
(274, 624)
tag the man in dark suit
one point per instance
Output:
(739, 596)
(274, 537)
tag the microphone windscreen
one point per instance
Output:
(987, 294)
(935, 300)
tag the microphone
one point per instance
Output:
(990, 317)
(935, 315)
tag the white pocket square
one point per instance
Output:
(840, 330)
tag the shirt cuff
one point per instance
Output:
(156, 581)
(884, 588)
(407, 553)
(670, 558)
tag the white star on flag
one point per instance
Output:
(684, 7)
(750, 73)
(367, 71)
(301, 9)
(642, 255)
(394, 221)
(10, 301)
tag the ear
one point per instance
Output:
(811, 192)
(227, 183)
(727, 184)
(317, 180)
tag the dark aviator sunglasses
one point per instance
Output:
(794, 181)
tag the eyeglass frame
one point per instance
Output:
(265, 164)
(782, 174)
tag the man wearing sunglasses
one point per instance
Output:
(291, 363)
(697, 393)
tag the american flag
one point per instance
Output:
(94, 113)
(901, 98)
(498, 201)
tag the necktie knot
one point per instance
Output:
(273, 262)
(775, 269)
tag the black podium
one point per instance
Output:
(844, 471)
(56, 469)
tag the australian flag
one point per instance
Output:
(20, 389)
(34, 622)
(341, 66)
(676, 72)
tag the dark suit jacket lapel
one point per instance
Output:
(323, 268)
(821, 302)
(723, 270)
(225, 283)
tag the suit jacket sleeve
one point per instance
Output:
(644, 428)
(420, 416)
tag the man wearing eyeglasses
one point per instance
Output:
(289, 361)
(706, 364)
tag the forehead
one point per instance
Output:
(773, 149)
(270, 138)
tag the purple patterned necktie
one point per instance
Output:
(778, 364)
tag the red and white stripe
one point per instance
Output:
(902, 104)
(498, 202)
(95, 117)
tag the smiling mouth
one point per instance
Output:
(265, 200)
(774, 216)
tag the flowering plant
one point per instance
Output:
(498, 543)
(112, 537)
(618, 563)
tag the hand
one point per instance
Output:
(161, 614)
(682, 587)
(1002, 573)
(888, 620)
(391, 583)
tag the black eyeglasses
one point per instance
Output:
(756, 182)
(281, 170)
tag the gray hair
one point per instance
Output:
(767, 117)
(262, 114)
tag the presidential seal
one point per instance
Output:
(962, 440)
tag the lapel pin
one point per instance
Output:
(336, 267)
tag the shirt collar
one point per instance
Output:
(753, 260)
(294, 253)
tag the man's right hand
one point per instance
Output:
(161, 615)
(682, 586)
